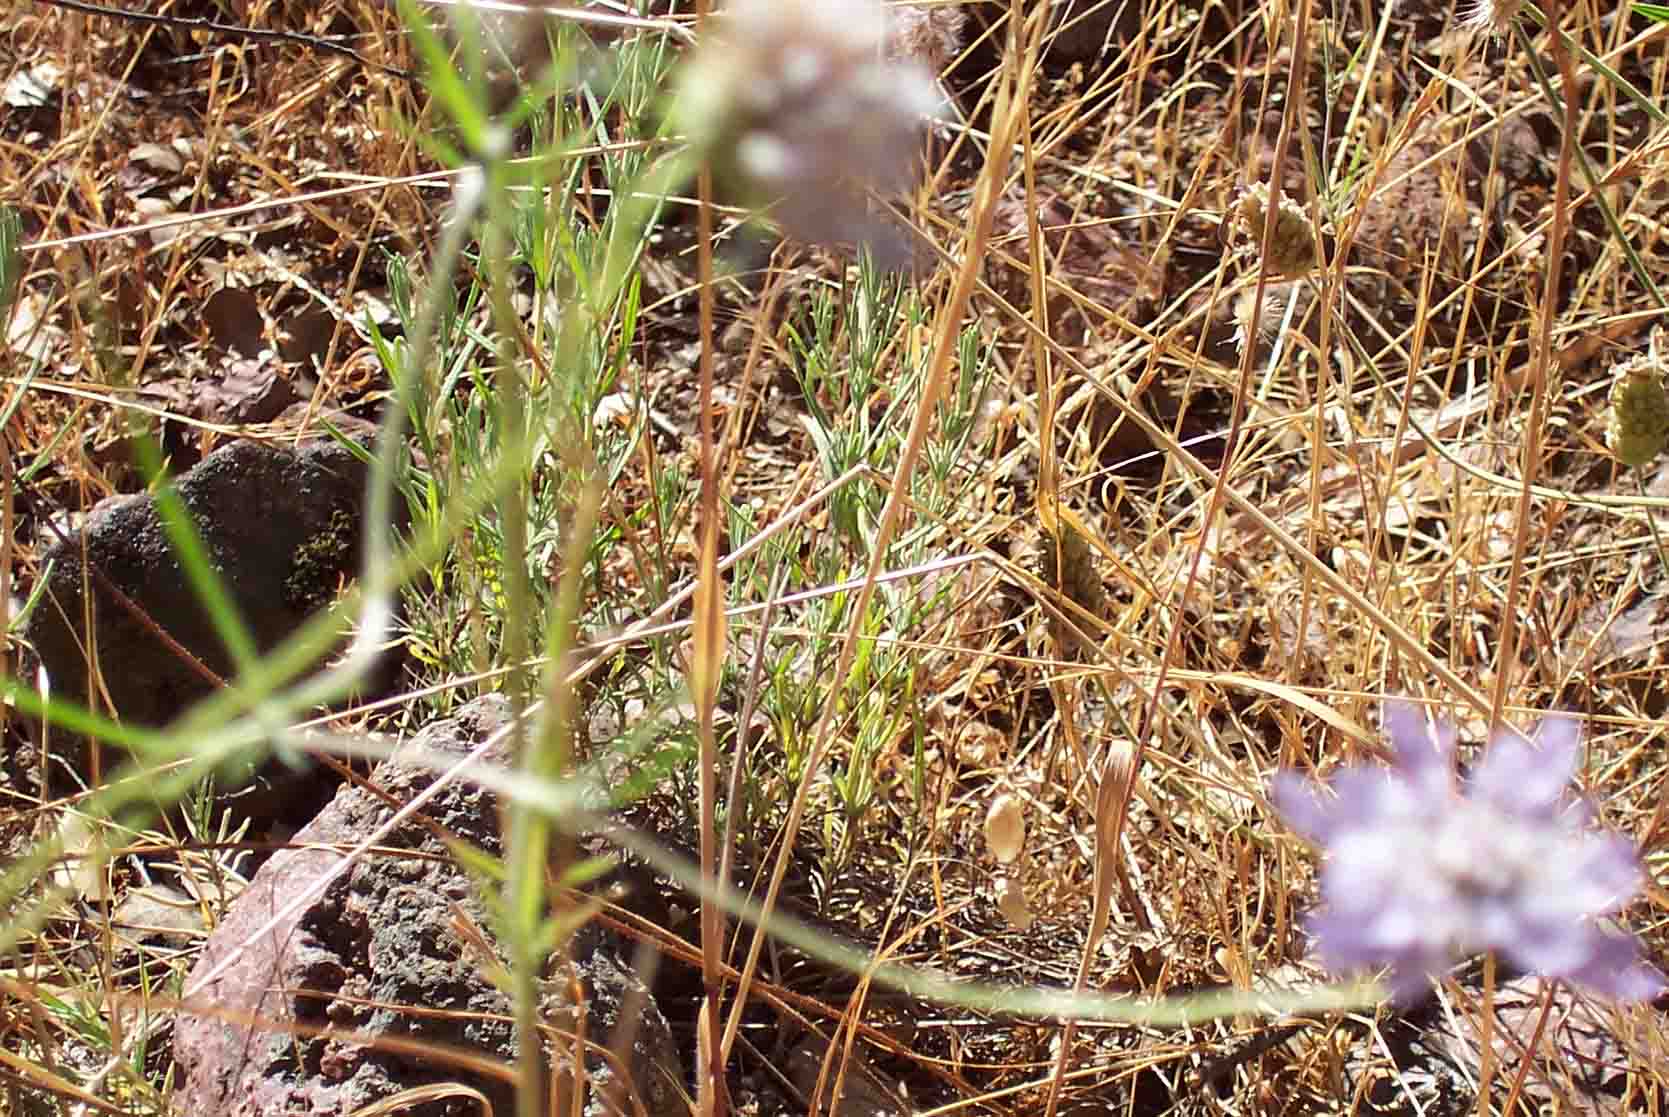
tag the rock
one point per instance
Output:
(389, 952)
(615, 993)
(864, 1093)
(1084, 30)
(1585, 1063)
(282, 528)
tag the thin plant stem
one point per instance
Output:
(1651, 524)
(1486, 1041)
(1541, 368)
(993, 177)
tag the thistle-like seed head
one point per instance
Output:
(1491, 17)
(1292, 252)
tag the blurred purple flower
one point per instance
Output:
(1420, 871)
(795, 105)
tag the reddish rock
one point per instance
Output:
(362, 992)
(377, 943)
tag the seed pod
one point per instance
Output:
(1005, 828)
(1011, 901)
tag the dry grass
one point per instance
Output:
(1187, 561)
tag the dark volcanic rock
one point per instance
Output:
(282, 528)
(615, 999)
(1085, 29)
(387, 952)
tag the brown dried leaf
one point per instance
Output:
(159, 158)
(234, 320)
(1582, 1064)
(305, 336)
(1598, 638)
(864, 1092)
(247, 392)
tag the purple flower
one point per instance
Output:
(796, 106)
(1420, 871)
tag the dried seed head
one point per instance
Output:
(1262, 328)
(1639, 423)
(1005, 828)
(1068, 564)
(1292, 252)
(795, 105)
(1011, 901)
(1491, 17)
(930, 34)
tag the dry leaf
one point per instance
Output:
(864, 1093)
(305, 337)
(81, 869)
(234, 319)
(34, 88)
(157, 158)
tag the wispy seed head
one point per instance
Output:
(1491, 17)
(928, 34)
(1292, 252)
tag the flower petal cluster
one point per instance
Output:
(795, 104)
(1421, 871)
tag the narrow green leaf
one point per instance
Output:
(11, 259)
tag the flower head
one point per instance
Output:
(1262, 327)
(1639, 423)
(795, 104)
(1491, 17)
(927, 33)
(1420, 871)
(1292, 250)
